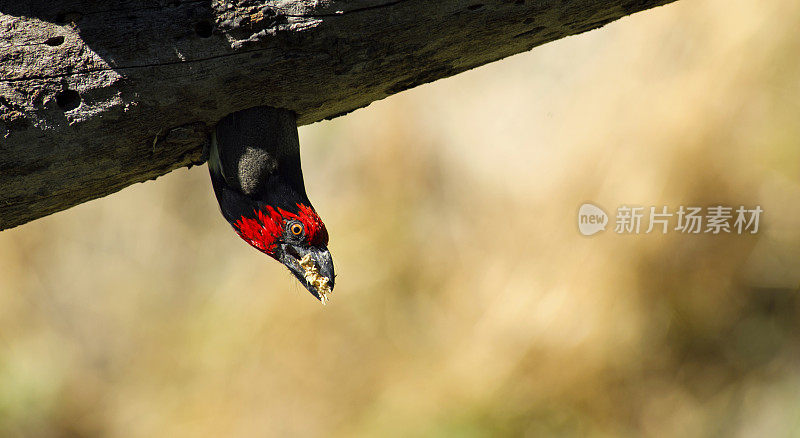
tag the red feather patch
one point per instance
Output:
(265, 230)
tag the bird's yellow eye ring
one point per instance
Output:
(296, 229)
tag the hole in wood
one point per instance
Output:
(55, 41)
(68, 99)
(475, 7)
(203, 29)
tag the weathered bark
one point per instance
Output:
(98, 95)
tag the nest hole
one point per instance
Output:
(68, 99)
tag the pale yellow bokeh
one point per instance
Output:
(467, 304)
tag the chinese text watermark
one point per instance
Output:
(717, 219)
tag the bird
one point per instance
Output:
(254, 163)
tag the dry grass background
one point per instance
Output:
(467, 304)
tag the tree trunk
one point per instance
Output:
(98, 95)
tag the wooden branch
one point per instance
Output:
(98, 95)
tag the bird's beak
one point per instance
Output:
(313, 267)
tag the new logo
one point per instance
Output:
(591, 219)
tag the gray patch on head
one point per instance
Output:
(254, 166)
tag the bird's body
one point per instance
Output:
(254, 162)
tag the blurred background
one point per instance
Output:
(467, 303)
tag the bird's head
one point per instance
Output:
(254, 162)
(297, 238)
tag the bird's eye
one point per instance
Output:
(296, 229)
